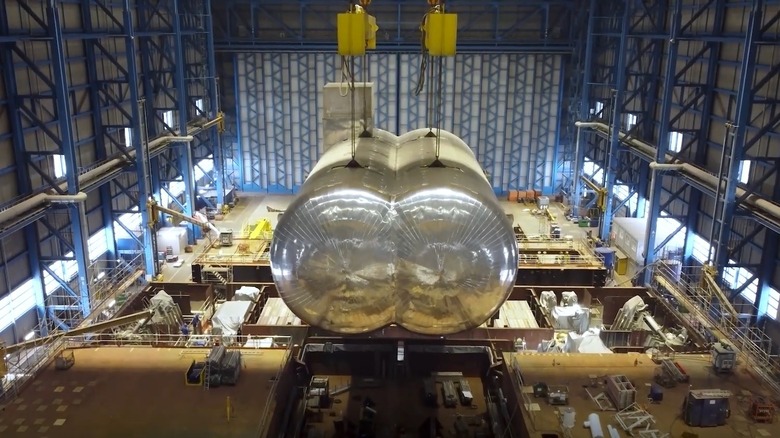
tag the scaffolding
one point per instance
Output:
(702, 299)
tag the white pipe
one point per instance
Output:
(665, 166)
(694, 172)
(17, 210)
(67, 199)
(594, 424)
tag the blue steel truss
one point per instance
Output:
(310, 25)
(673, 58)
(46, 103)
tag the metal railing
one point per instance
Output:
(750, 342)
(562, 252)
(525, 396)
(25, 364)
(258, 253)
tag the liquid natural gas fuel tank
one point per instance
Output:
(395, 239)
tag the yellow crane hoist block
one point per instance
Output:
(352, 34)
(356, 32)
(441, 34)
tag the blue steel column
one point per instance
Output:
(766, 271)
(76, 211)
(185, 149)
(101, 152)
(584, 111)
(743, 107)
(216, 138)
(701, 148)
(614, 140)
(656, 185)
(22, 171)
(137, 137)
(238, 149)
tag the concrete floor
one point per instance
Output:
(573, 370)
(253, 207)
(139, 392)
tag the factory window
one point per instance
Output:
(199, 104)
(630, 121)
(773, 303)
(751, 291)
(97, 245)
(621, 192)
(744, 171)
(598, 109)
(60, 167)
(128, 136)
(168, 119)
(125, 222)
(701, 249)
(589, 167)
(675, 141)
(14, 305)
(598, 176)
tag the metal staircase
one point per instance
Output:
(711, 307)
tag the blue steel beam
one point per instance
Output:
(614, 144)
(23, 182)
(180, 102)
(76, 212)
(656, 184)
(744, 106)
(584, 109)
(136, 137)
(101, 152)
(700, 154)
(245, 26)
(213, 106)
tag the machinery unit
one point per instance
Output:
(542, 202)
(558, 395)
(706, 407)
(417, 238)
(464, 392)
(762, 410)
(724, 357)
(226, 238)
(449, 395)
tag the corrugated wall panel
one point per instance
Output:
(506, 107)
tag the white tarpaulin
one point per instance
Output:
(548, 300)
(228, 318)
(590, 342)
(568, 298)
(246, 293)
(163, 304)
(573, 318)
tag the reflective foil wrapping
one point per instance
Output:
(396, 240)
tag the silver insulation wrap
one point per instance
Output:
(395, 241)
